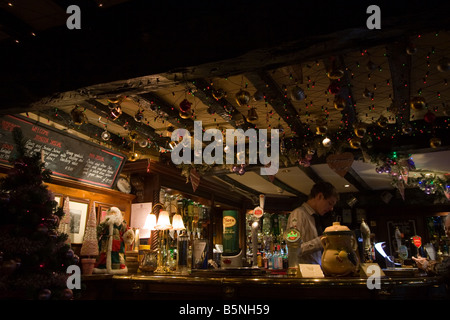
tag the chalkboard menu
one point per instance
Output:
(66, 156)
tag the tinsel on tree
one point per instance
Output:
(33, 254)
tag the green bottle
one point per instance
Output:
(230, 239)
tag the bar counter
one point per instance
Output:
(223, 285)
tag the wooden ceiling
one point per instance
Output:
(153, 56)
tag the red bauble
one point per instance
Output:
(429, 117)
(185, 105)
(334, 87)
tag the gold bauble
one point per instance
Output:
(185, 115)
(78, 116)
(382, 122)
(407, 129)
(133, 135)
(252, 116)
(417, 103)
(335, 74)
(133, 156)
(339, 103)
(435, 142)
(360, 130)
(321, 129)
(242, 98)
(355, 143)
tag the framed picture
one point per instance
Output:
(78, 212)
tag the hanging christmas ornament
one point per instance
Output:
(411, 49)
(382, 122)
(435, 142)
(139, 116)
(106, 135)
(78, 116)
(185, 115)
(417, 103)
(185, 105)
(241, 170)
(326, 142)
(218, 94)
(429, 117)
(333, 71)
(407, 128)
(444, 64)
(258, 96)
(355, 143)
(115, 111)
(368, 94)
(339, 103)
(133, 135)
(334, 87)
(242, 98)
(252, 116)
(321, 127)
(297, 93)
(133, 156)
(360, 130)
(143, 143)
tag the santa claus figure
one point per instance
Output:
(113, 234)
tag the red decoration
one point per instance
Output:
(417, 241)
(429, 117)
(334, 87)
(185, 105)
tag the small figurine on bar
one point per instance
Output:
(113, 233)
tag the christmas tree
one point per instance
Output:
(33, 254)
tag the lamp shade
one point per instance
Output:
(177, 222)
(150, 222)
(163, 221)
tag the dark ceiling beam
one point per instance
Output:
(94, 132)
(353, 177)
(400, 64)
(152, 103)
(239, 185)
(143, 129)
(282, 105)
(310, 173)
(277, 182)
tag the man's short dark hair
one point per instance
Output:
(326, 188)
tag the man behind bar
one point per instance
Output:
(322, 199)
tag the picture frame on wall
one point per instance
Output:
(78, 213)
